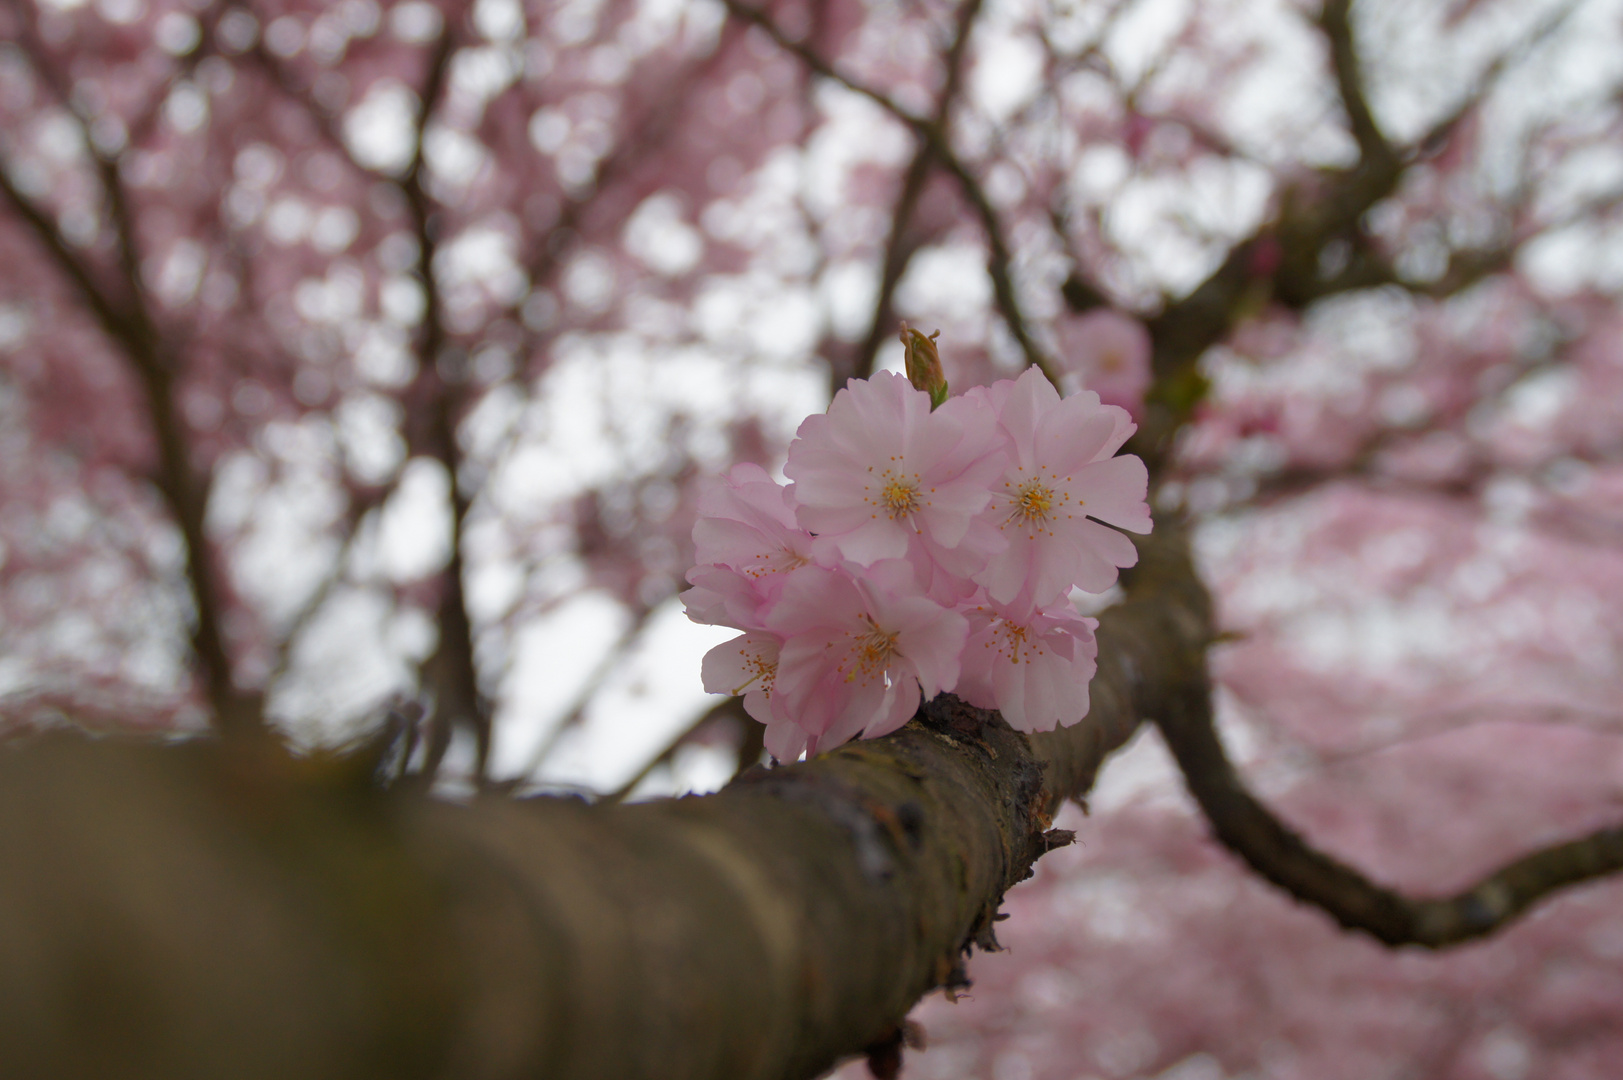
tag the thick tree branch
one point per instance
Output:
(284, 916)
(1282, 856)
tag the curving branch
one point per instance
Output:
(1281, 855)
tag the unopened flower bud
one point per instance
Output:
(924, 364)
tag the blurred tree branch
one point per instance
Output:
(128, 322)
(934, 150)
(435, 401)
(1279, 854)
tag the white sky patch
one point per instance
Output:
(758, 315)
(15, 325)
(655, 696)
(693, 770)
(1177, 225)
(1570, 260)
(554, 659)
(1419, 57)
(950, 279)
(481, 263)
(345, 667)
(499, 20)
(454, 157)
(478, 75)
(368, 428)
(180, 274)
(1100, 171)
(549, 130)
(414, 527)
(658, 236)
(334, 229)
(1536, 401)
(380, 131)
(1142, 770)
(1008, 71)
(282, 548)
(1142, 32)
(415, 21)
(855, 131)
(1362, 332)
(848, 290)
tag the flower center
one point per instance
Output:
(899, 497)
(873, 652)
(781, 561)
(761, 671)
(1033, 501)
(1015, 638)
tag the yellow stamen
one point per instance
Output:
(765, 673)
(900, 498)
(1032, 503)
(874, 649)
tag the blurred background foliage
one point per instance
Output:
(359, 361)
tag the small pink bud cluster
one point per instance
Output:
(918, 552)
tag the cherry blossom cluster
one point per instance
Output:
(918, 551)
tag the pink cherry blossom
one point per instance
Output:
(747, 665)
(880, 467)
(747, 522)
(1061, 475)
(1031, 664)
(948, 574)
(722, 596)
(1108, 353)
(745, 540)
(859, 651)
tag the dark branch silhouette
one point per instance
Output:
(126, 319)
(1281, 855)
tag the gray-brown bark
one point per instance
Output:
(218, 908)
(1278, 853)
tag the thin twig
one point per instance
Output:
(594, 682)
(934, 148)
(732, 708)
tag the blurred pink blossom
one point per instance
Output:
(1108, 353)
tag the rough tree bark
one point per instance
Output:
(218, 908)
